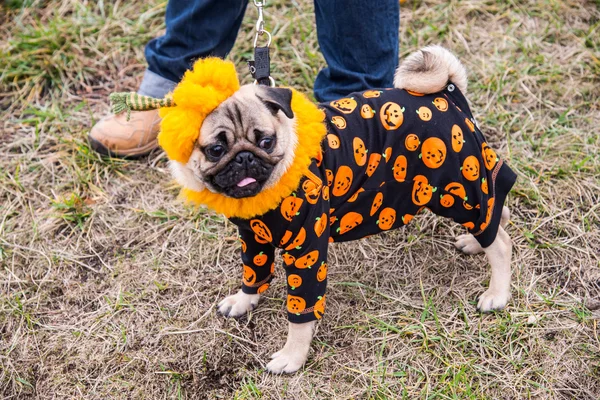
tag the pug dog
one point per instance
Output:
(296, 176)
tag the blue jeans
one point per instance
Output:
(358, 39)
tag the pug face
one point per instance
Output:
(245, 145)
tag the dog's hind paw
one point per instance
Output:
(492, 300)
(286, 361)
(237, 305)
(468, 244)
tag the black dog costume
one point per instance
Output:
(387, 155)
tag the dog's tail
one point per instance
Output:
(429, 70)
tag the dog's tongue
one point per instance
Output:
(246, 182)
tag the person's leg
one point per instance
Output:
(195, 28)
(359, 40)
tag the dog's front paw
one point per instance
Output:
(468, 244)
(239, 304)
(287, 360)
(492, 300)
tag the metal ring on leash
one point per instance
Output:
(260, 33)
(271, 82)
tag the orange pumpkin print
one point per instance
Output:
(374, 160)
(329, 175)
(249, 276)
(322, 272)
(422, 191)
(343, 181)
(447, 200)
(433, 152)
(489, 156)
(321, 225)
(339, 122)
(325, 193)
(440, 103)
(366, 111)
(261, 231)
(360, 151)
(319, 307)
(484, 186)
(345, 105)
(424, 113)
(456, 189)
(353, 198)
(263, 288)
(470, 168)
(288, 259)
(312, 189)
(457, 138)
(307, 260)
(469, 225)
(387, 154)
(400, 168)
(349, 222)
(391, 116)
(272, 268)
(294, 281)
(244, 246)
(286, 238)
(387, 217)
(332, 220)
(377, 202)
(295, 304)
(369, 94)
(468, 206)
(333, 140)
(469, 124)
(413, 93)
(319, 158)
(298, 240)
(260, 259)
(290, 206)
(488, 214)
(412, 142)
(406, 218)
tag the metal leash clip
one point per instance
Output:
(260, 67)
(260, 23)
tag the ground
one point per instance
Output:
(108, 285)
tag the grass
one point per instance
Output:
(108, 286)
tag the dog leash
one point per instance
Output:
(260, 67)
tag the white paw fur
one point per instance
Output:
(239, 304)
(295, 352)
(492, 300)
(468, 244)
(499, 256)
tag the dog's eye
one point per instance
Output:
(215, 151)
(267, 143)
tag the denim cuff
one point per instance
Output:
(156, 86)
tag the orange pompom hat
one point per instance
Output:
(202, 89)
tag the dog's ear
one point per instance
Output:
(276, 99)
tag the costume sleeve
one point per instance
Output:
(305, 262)
(258, 262)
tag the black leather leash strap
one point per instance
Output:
(260, 67)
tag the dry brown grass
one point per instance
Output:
(108, 286)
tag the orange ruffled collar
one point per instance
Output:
(310, 130)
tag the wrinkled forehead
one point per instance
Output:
(236, 117)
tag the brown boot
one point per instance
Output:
(116, 137)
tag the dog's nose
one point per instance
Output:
(245, 157)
